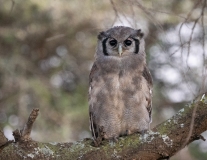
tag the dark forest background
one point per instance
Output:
(47, 49)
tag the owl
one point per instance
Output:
(120, 85)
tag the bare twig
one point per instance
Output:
(202, 138)
(149, 15)
(28, 126)
(115, 11)
(55, 37)
(189, 41)
(204, 69)
(24, 134)
(179, 32)
(179, 48)
(187, 18)
(192, 31)
(165, 12)
(12, 7)
(133, 16)
(191, 126)
(191, 37)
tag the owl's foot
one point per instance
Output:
(98, 140)
(128, 132)
(113, 140)
(143, 132)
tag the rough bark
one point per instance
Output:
(163, 141)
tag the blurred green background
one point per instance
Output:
(47, 49)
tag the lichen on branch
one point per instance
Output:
(163, 141)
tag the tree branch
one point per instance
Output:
(3, 139)
(163, 141)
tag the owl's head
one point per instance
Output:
(120, 42)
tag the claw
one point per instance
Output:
(143, 132)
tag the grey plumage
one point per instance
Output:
(120, 85)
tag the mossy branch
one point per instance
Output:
(163, 141)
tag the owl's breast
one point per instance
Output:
(119, 100)
(118, 90)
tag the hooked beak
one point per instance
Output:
(120, 49)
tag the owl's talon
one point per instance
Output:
(113, 140)
(97, 142)
(128, 132)
(143, 132)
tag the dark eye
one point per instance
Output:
(113, 42)
(127, 42)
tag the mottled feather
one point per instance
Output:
(147, 75)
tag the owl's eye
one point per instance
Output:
(113, 42)
(127, 42)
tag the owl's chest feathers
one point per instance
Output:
(119, 87)
(118, 84)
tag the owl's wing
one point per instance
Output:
(93, 126)
(146, 74)
(94, 70)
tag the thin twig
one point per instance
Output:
(188, 16)
(179, 48)
(191, 37)
(204, 69)
(13, 3)
(24, 134)
(149, 15)
(182, 44)
(191, 126)
(133, 16)
(165, 12)
(115, 11)
(55, 37)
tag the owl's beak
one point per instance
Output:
(120, 49)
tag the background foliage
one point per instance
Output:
(47, 49)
